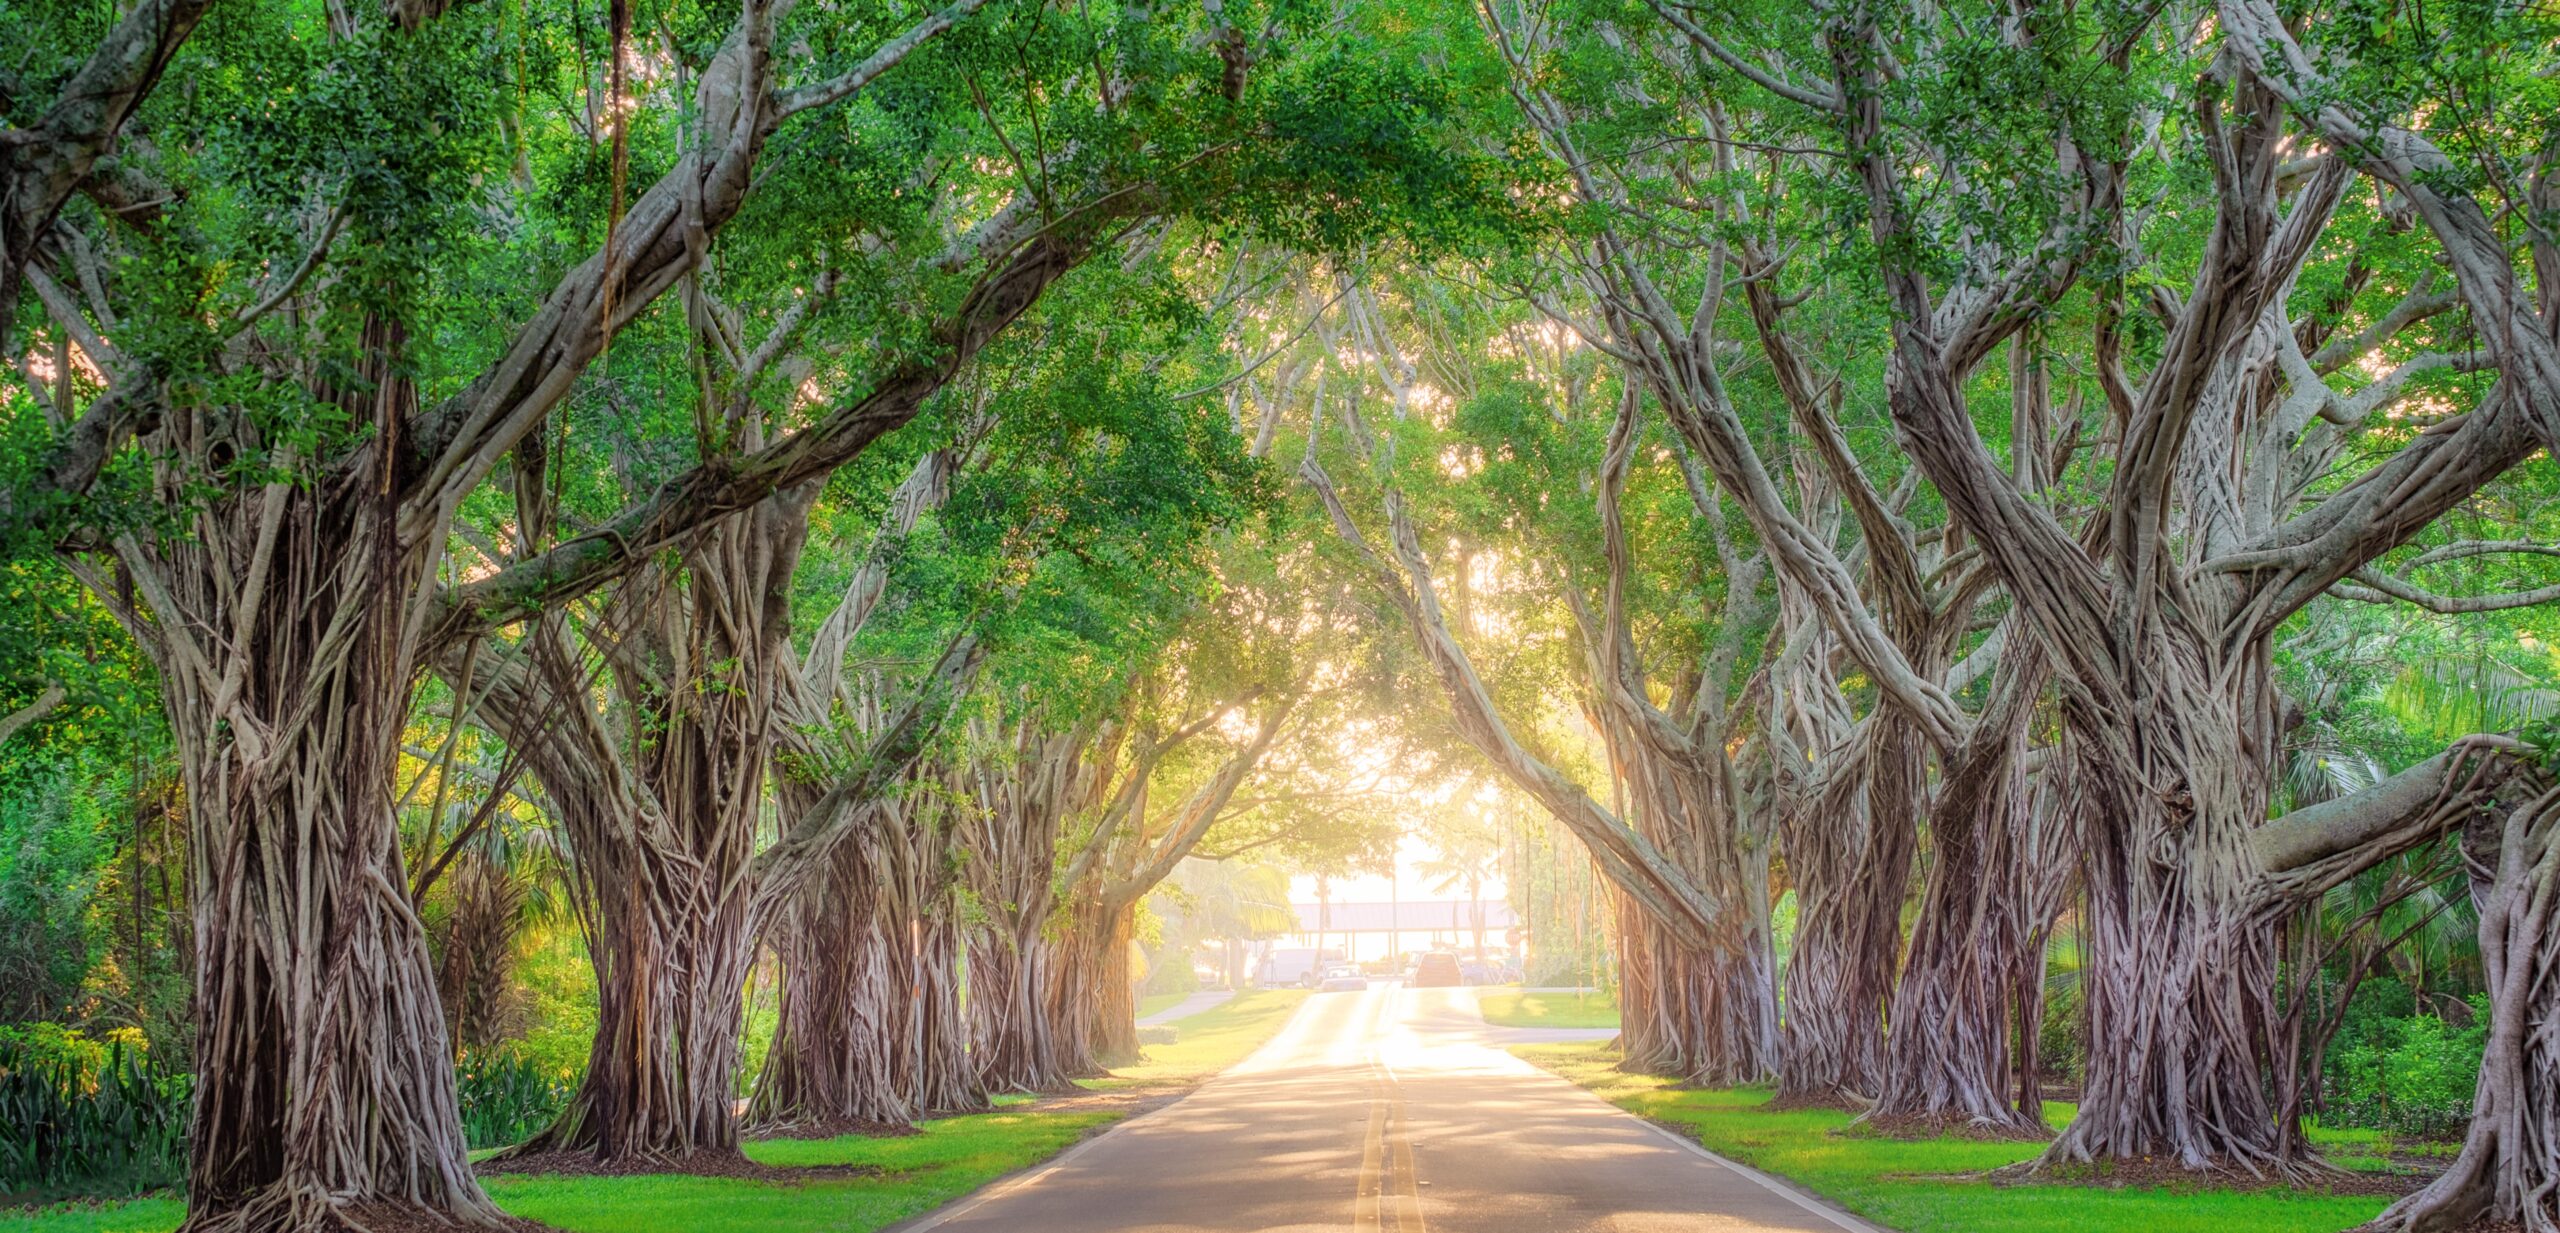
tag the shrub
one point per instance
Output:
(507, 1096)
(2415, 1075)
(89, 1117)
(53, 848)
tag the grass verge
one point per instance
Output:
(950, 1158)
(1906, 1185)
(1549, 1010)
(1210, 1041)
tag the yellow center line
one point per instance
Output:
(1388, 1177)
(1408, 1179)
(1372, 1187)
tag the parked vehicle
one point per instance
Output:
(1438, 970)
(1298, 967)
(1343, 978)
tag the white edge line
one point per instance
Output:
(1003, 1186)
(1773, 1185)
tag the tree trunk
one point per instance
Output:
(325, 1081)
(1971, 996)
(1016, 1041)
(1110, 983)
(1704, 1017)
(1951, 1067)
(2509, 1169)
(871, 1032)
(663, 824)
(1850, 854)
(833, 1064)
(2180, 975)
(671, 956)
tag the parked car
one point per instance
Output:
(1343, 978)
(1438, 970)
(1480, 972)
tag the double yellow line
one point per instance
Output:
(1388, 1181)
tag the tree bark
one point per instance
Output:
(1020, 1043)
(871, 1031)
(1703, 1016)
(1971, 997)
(663, 823)
(1109, 982)
(2509, 1169)
(325, 1078)
(1849, 852)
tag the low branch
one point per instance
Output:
(53, 696)
(881, 61)
(725, 485)
(2382, 588)
(2308, 851)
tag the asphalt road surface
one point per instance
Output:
(1394, 1109)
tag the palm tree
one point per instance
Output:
(1465, 859)
(1229, 902)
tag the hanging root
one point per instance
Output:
(2508, 1175)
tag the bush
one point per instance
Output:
(54, 847)
(89, 1117)
(506, 1096)
(2415, 1075)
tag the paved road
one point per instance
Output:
(1388, 1110)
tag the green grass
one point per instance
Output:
(1210, 1041)
(1902, 1184)
(950, 1158)
(138, 1216)
(1154, 1002)
(1549, 1010)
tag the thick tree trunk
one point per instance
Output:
(1972, 985)
(1851, 855)
(1017, 1041)
(1704, 1017)
(871, 1032)
(2509, 1169)
(663, 822)
(2180, 974)
(1971, 995)
(1110, 983)
(325, 1081)
(833, 1064)
(671, 962)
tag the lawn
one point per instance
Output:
(1210, 1041)
(1549, 1010)
(1903, 1184)
(952, 1157)
(1154, 1002)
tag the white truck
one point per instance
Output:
(1294, 967)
